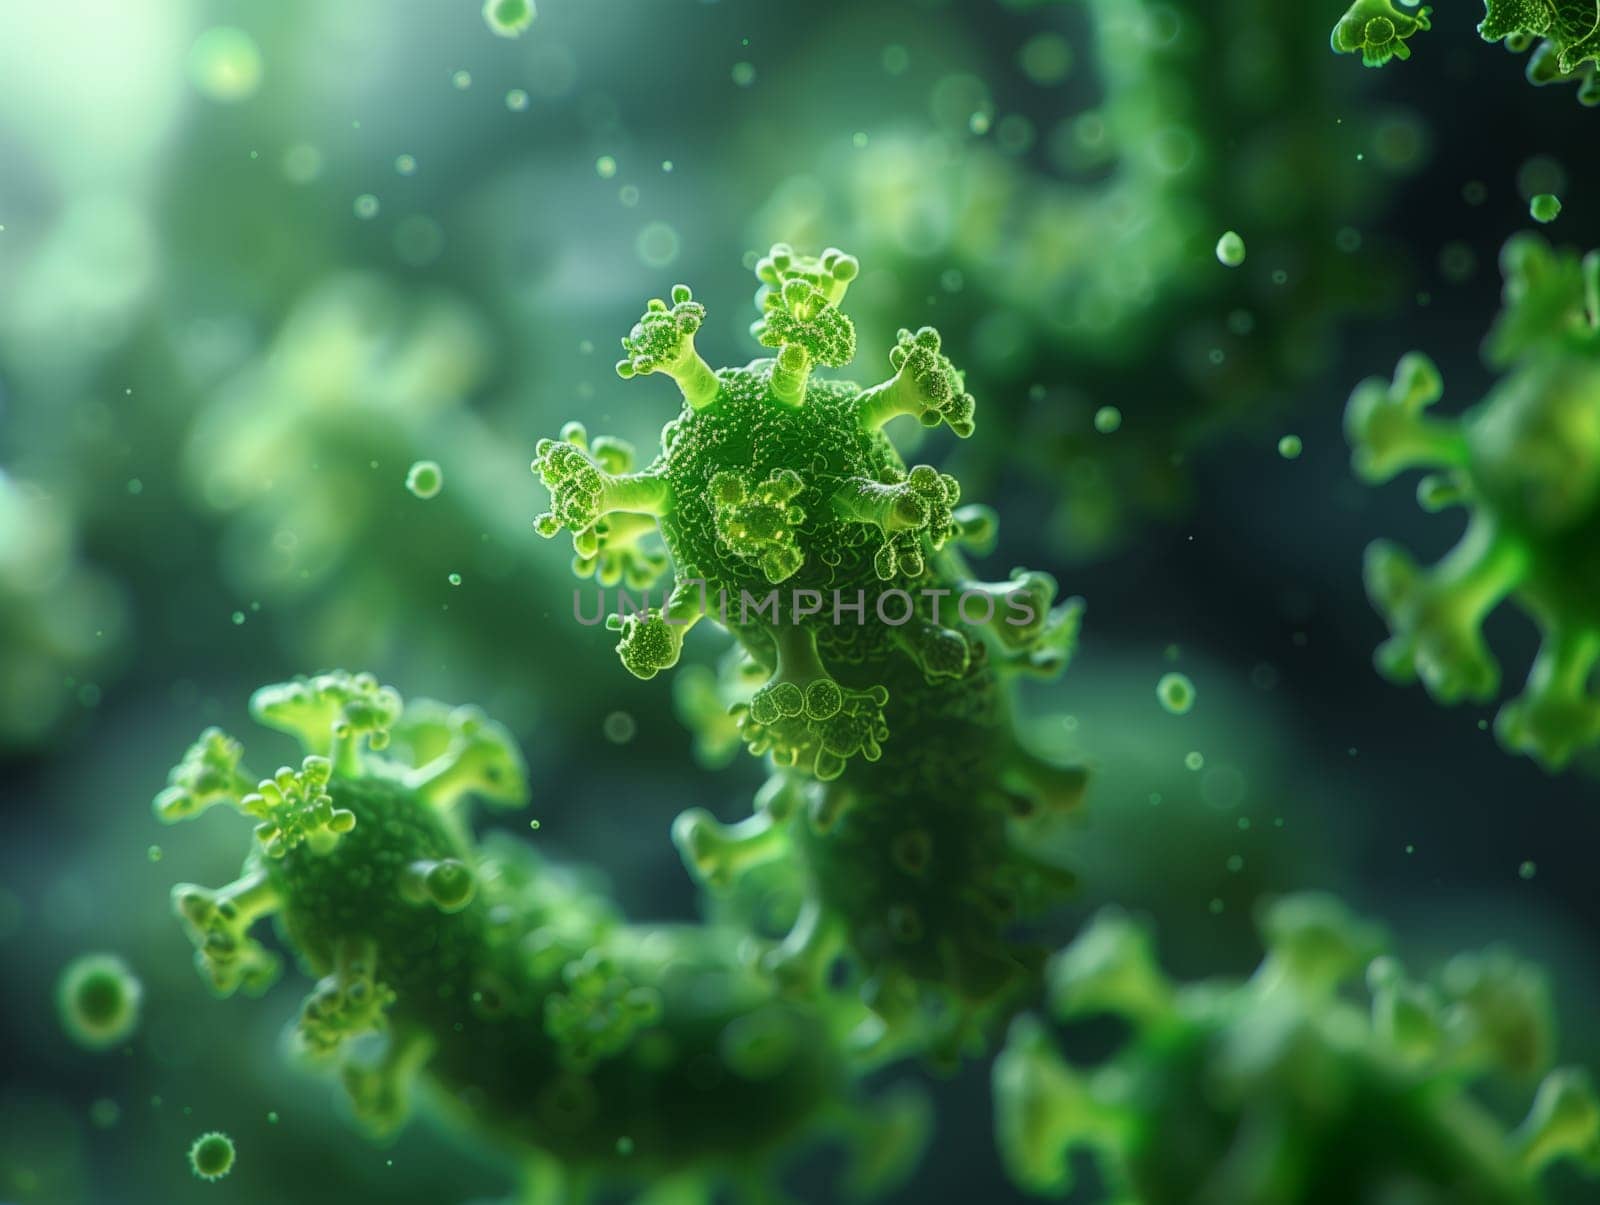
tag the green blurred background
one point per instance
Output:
(256, 259)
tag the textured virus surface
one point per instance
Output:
(873, 665)
(1378, 31)
(1526, 465)
(1287, 1088)
(98, 1000)
(595, 1049)
(1564, 35)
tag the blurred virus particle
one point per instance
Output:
(501, 979)
(1526, 464)
(1378, 30)
(425, 479)
(1564, 36)
(225, 65)
(1545, 207)
(298, 455)
(1290, 447)
(1230, 250)
(61, 621)
(98, 998)
(1176, 693)
(1283, 1087)
(509, 18)
(873, 670)
(1084, 252)
(211, 1157)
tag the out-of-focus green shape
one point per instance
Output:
(1378, 31)
(1525, 463)
(60, 620)
(882, 668)
(598, 1051)
(1082, 249)
(1284, 1088)
(1567, 33)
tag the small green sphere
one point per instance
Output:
(1107, 419)
(1290, 447)
(212, 1155)
(508, 18)
(1176, 693)
(1546, 207)
(98, 998)
(425, 479)
(1230, 250)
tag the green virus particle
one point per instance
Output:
(1107, 419)
(1230, 250)
(98, 1001)
(1526, 464)
(1280, 1086)
(1378, 30)
(876, 665)
(1290, 447)
(1546, 207)
(1564, 36)
(509, 18)
(212, 1155)
(425, 479)
(499, 979)
(1176, 693)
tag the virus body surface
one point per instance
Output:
(1282, 1088)
(1526, 465)
(872, 668)
(511, 993)
(1564, 35)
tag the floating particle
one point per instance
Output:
(1230, 250)
(98, 999)
(1545, 207)
(1290, 447)
(1107, 419)
(425, 479)
(212, 1155)
(620, 727)
(508, 18)
(1176, 693)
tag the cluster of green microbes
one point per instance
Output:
(873, 673)
(1564, 36)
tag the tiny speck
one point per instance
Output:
(153, 853)
(462, 80)
(454, 579)
(1290, 447)
(516, 100)
(366, 206)
(1107, 419)
(1527, 870)
(1176, 693)
(744, 74)
(1194, 760)
(238, 618)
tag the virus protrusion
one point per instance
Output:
(925, 385)
(663, 341)
(1218, 1076)
(1378, 30)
